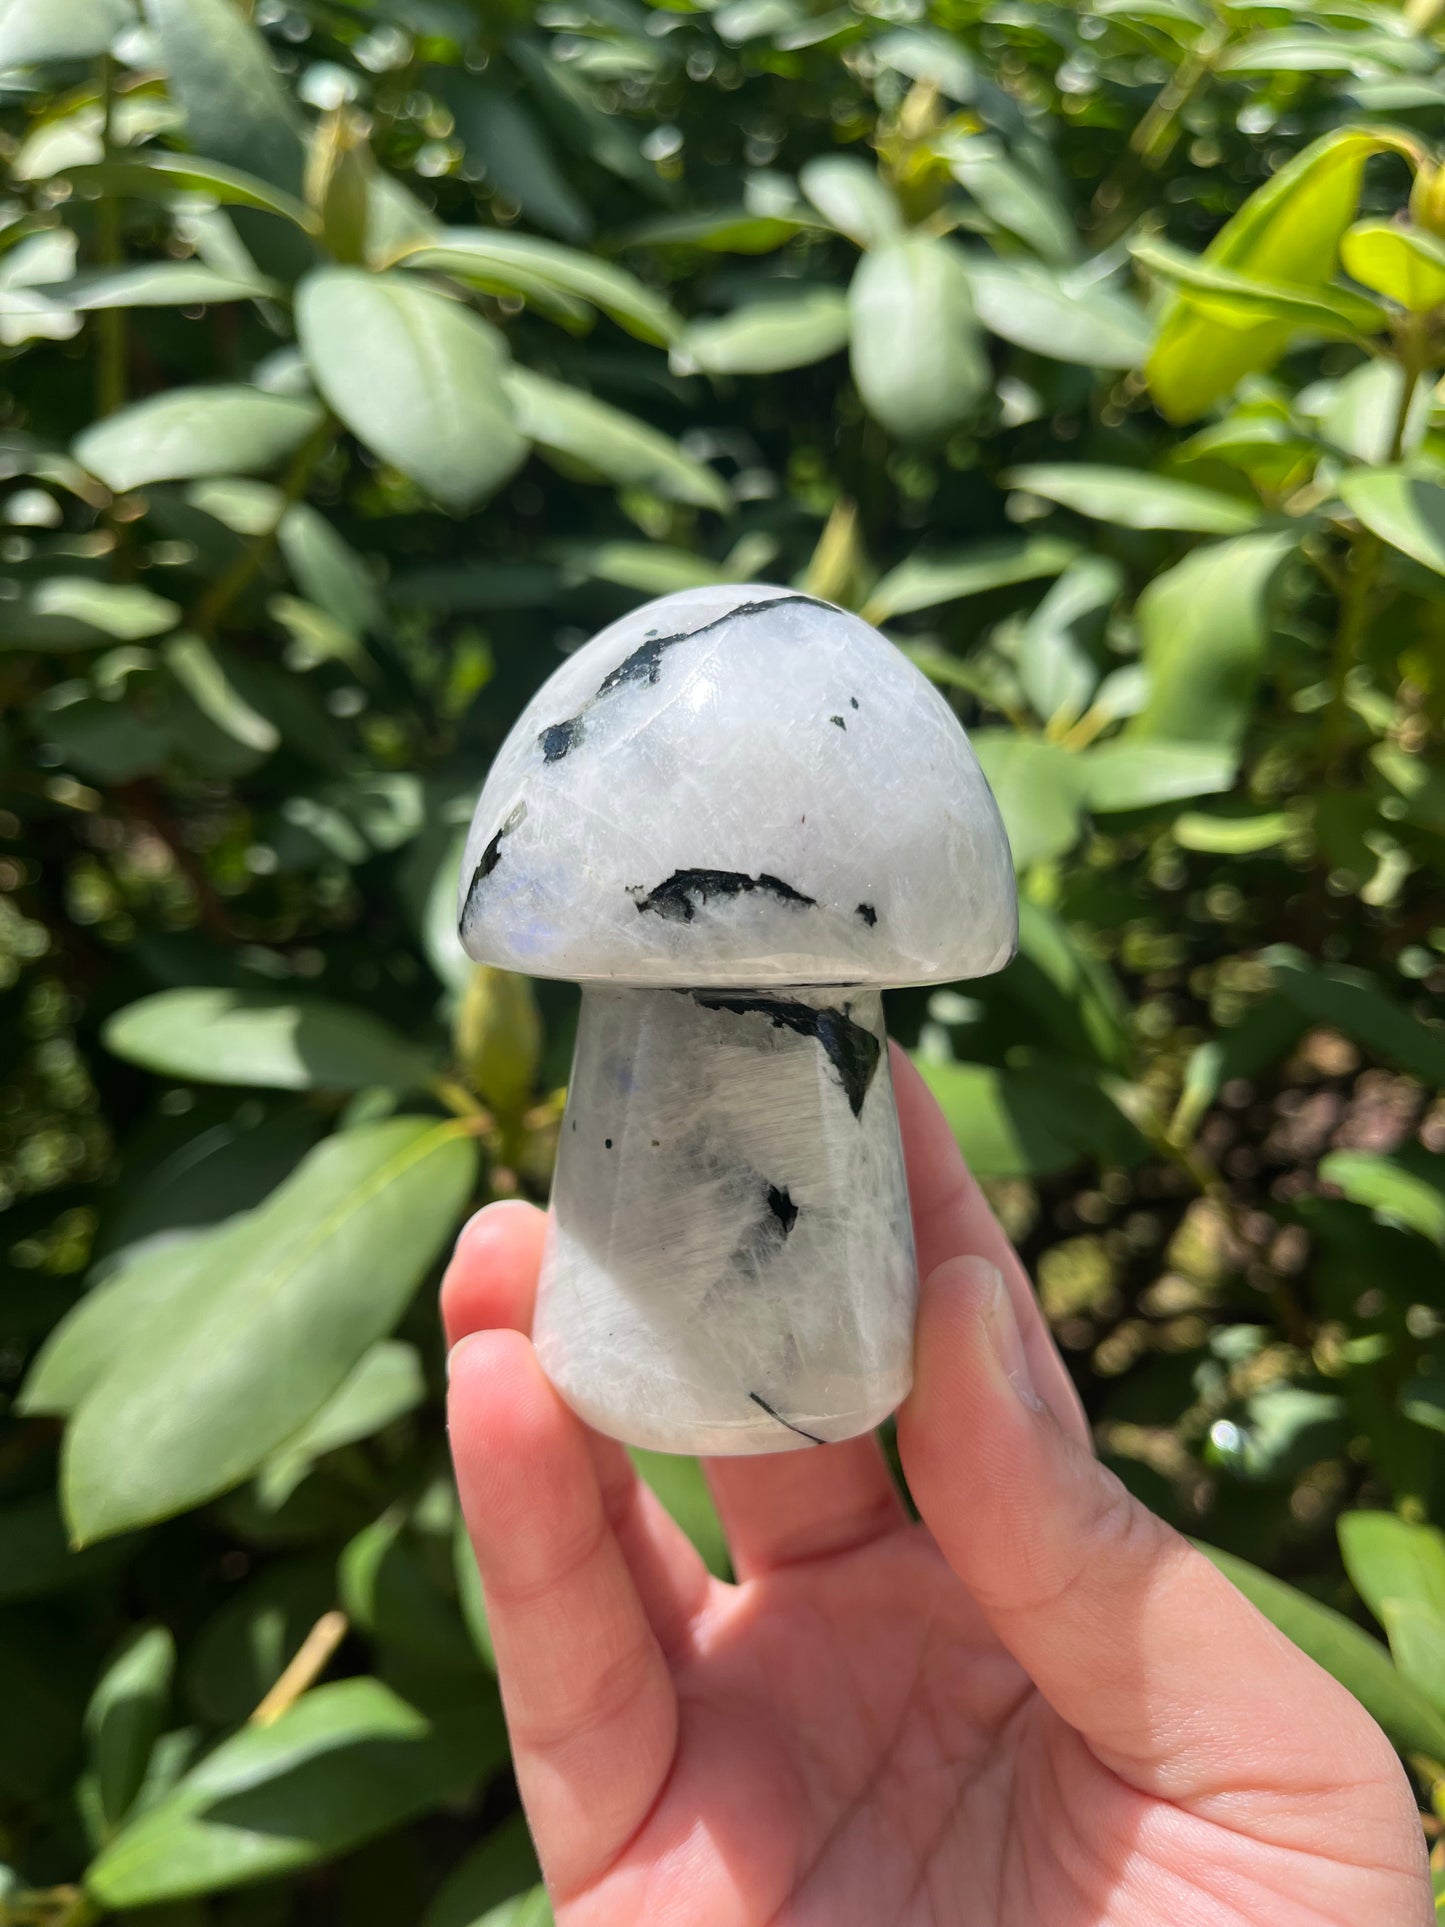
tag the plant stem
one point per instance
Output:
(206, 614)
(312, 1658)
(110, 322)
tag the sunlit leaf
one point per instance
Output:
(195, 431)
(417, 378)
(917, 358)
(232, 1367)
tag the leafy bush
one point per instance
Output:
(363, 358)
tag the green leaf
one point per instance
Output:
(1036, 786)
(507, 263)
(33, 32)
(648, 567)
(345, 1763)
(1128, 775)
(146, 284)
(195, 431)
(73, 612)
(236, 107)
(201, 673)
(166, 177)
(86, 1342)
(1056, 668)
(124, 1718)
(1351, 1001)
(327, 570)
(1395, 1193)
(925, 580)
(208, 1388)
(1405, 263)
(1243, 835)
(917, 358)
(849, 195)
(609, 444)
(275, 1041)
(418, 378)
(501, 1870)
(387, 1383)
(391, 1594)
(1134, 499)
(1058, 315)
(1359, 1663)
(788, 330)
(1030, 1122)
(1287, 233)
(1403, 509)
(733, 230)
(1242, 300)
(1204, 627)
(1066, 993)
(1398, 1569)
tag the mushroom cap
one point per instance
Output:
(738, 786)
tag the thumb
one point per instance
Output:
(1175, 1681)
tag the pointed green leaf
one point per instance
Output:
(925, 580)
(1359, 1663)
(275, 1041)
(1405, 263)
(1404, 509)
(348, 1761)
(418, 378)
(604, 441)
(1396, 1193)
(1203, 629)
(123, 1720)
(159, 176)
(849, 195)
(387, 1382)
(147, 284)
(231, 1370)
(506, 263)
(1288, 234)
(1058, 315)
(1242, 300)
(791, 330)
(1135, 499)
(195, 431)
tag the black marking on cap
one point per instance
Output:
(678, 896)
(851, 1050)
(772, 1412)
(490, 857)
(839, 721)
(643, 665)
(867, 913)
(782, 1207)
(854, 701)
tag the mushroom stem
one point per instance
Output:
(730, 1264)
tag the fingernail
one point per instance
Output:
(1006, 1338)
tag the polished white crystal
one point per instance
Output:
(729, 1266)
(759, 737)
(732, 816)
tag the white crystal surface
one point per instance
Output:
(729, 1264)
(739, 785)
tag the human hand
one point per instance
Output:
(1038, 1708)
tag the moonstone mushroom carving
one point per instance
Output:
(732, 817)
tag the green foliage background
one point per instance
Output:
(362, 356)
